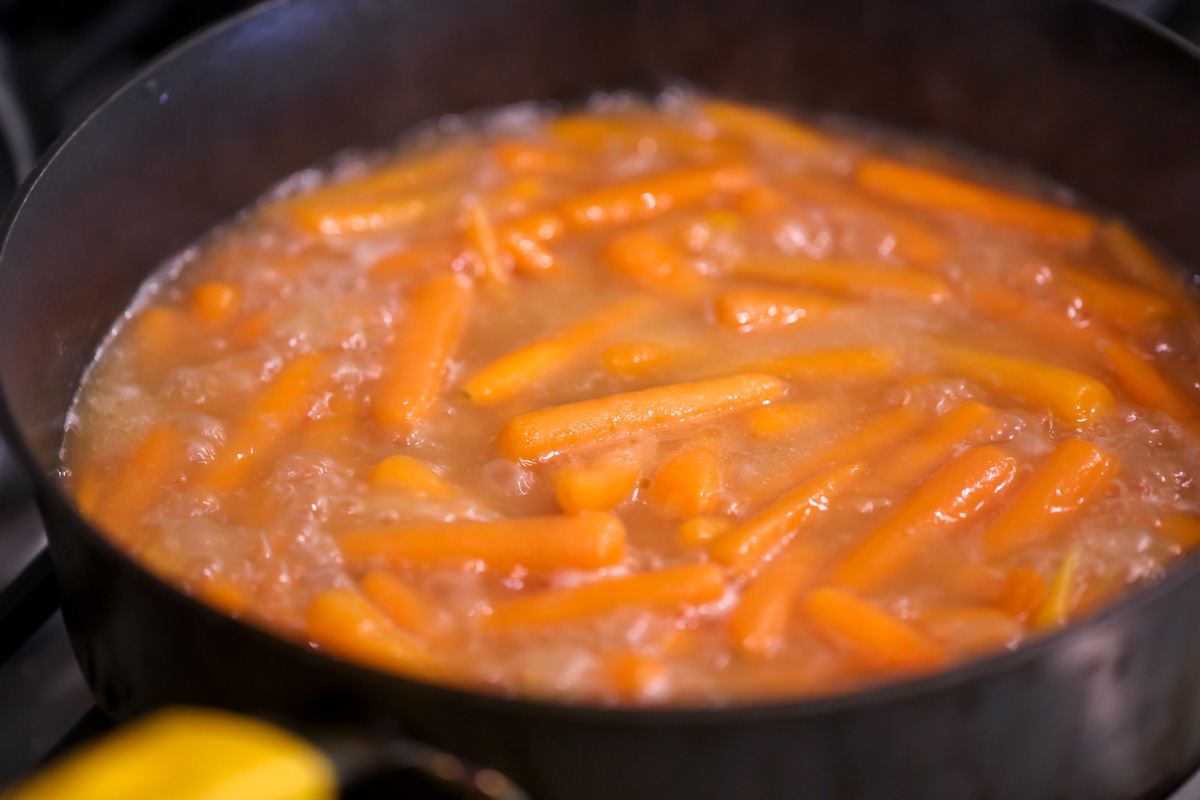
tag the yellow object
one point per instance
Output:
(1055, 612)
(189, 754)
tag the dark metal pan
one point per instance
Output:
(1109, 708)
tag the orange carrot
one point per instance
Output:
(700, 530)
(956, 494)
(688, 483)
(970, 629)
(595, 487)
(588, 540)
(481, 235)
(525, 239)
(951, 432)
(519, 370)
(636, 675)
(637, 358)
(647, 197)
(1183, 529)
(403, 606)
(1146, 385)
(928, 189)
(871, 634)
(539, 434)
(651, 261)
(756, 126)
(669, 588)
(745, 547)
(760, 199)
(845, 276)
(754, 309)
(158, 331)
(1023, 594)
(438, 254)
(414, 364)
(785, 418)
(137, 482)
(216, 301)
(348, 625)
(759, 620)
(407, 473)
(518, 156)
(825, 365)
(1061, 485)
(997, 300)
(1139, 263)
(1122, 304)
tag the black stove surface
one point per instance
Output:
(57, 59)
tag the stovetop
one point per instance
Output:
(57, 58)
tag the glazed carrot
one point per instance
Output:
(1060, 601)
(755, 309)
(956, 494)
(438, 254)
(850, 277)
(525, 239)
(224, 595)
(480, 234)
(647, 197)
(403, 606)
(997, 300)
(760, 199)
(158, 331)
(745, 547)
(913, 242)
(135, 484)
(1145, 384)
(518, 156)
(970, 629)
(922, 187)
(669, 588)
(1023, 594)
(651, 261)
(216, 301)
(871, 634)
(1139, 263)
(1122, 304)
(254, 326)
(271, 416)
(595, 487)
(1072, 475)
(688, 483)
(784, 418)
(758, 621)
(636, 132)
(407, 473)
(365, 216)
(349, 626)
(637, 358)
(636, 675)
(951, 431)
(518, 371)
(1183, 529)
(414, 364)
(1069, 395)
(539, 434)
(588, 540)
(756, 125)
(826, 365)
(699, 530)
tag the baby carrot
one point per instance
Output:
(158, 331)
(826, 365)
(688, 483)
(539, 434)
(651, 196)
(1139, 263)
(1069, 395)
(761, 199)
(438, 254)
(1183, 529)
(216, 301)
(349, 626)
(754, 309)
(367, 215)
(480, 234)
(669, 588)
(515, 155)
(403, 606)
(636, 675)
(1122, 304)
(997, 300)
(700, 530)
(138, 481)
(756, 125)
(525, 239)
(950, 432)
(519, 370)
(1071, 475)
(588, 540)
(922, 187)
(414, 364)
(637, 358)
(595, 487)
(871, 634)
(651, 261)
(749, 544)
(758, 621)
(1060, 601)
(959, 492)
(406, 472)
(1023, 594)
(845, 276)
(779, 420)
(1145, 384)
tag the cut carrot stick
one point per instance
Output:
(669, 588)
(919, 458)
(480, 234)
(688, 483)
(414, 364)
(871, 634)
(595, 487)
(1122, 304)
(407, 473)
(922, 187)
(1146, 385)
(827, 365)
(756, 125)
(637, 358)
(273, 414)
(438, 254)
(1072, 475)
(518, 371)
(1060, 601)
(701, 530)
(636, 675)
(958, 493)
(785, 418)
(849, 277)
(403, 606)
(1069, 395)
(1140, 264)
(654, 195)
(518, 156)
(1023, 594)
(137, 482)
(539, 434)
(216, 301)
(755, 309)
(1183, 529)
(588, 540)
(745, 547)
(758, 621)
(651, 261)
(349, 626)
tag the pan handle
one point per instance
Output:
(205, 754)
